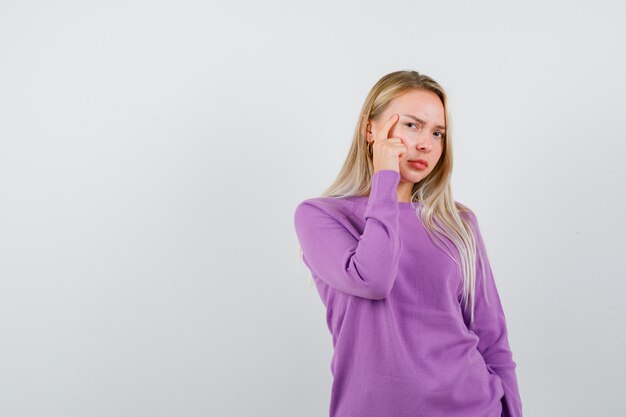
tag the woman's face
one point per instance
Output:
(420, 127)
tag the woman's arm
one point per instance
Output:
(365, 265)
(490, 326)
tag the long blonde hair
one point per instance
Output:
(439, 213)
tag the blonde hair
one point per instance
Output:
(439, 213)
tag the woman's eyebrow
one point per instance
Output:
(417, 119)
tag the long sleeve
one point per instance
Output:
(363, 265)
(490, 327)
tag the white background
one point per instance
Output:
(152, 154)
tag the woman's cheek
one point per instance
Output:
(409, 133)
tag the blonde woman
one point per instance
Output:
(416, 320)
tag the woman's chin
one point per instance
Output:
(414, 176)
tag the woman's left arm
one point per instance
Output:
(490, 327)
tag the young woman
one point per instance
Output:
(417, 326)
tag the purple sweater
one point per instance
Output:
(401, 342)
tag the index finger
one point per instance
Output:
(386, 128)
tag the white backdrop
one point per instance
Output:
(152, 154)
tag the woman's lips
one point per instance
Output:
(419, 164)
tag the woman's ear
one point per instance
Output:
(367, 130)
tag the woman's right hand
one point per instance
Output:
(387, 152)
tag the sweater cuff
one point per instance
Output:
(385, 186)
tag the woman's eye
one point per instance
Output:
(409, 124)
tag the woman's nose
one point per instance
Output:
(422, 143)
